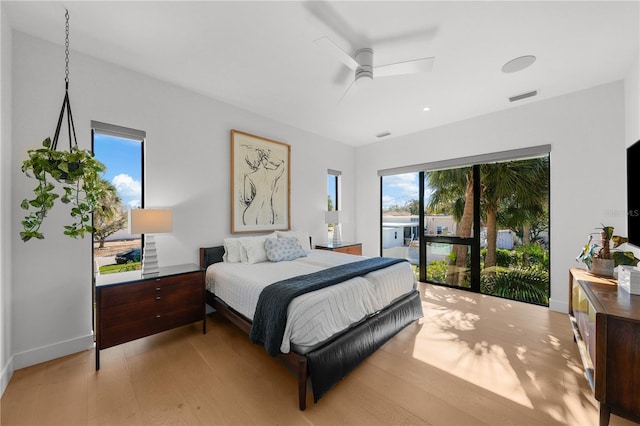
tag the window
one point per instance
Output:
(333, 189)
(121, 151)
(333, 195)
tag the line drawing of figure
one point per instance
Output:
(260, 186)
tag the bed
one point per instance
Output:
(328, 332)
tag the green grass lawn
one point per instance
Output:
(124, 267)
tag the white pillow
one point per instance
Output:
(302, 237)
(234, 250)
(252, 248)
(279, 249)
(231, 250)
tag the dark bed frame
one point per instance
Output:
(328, 363)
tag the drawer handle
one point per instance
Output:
(157, 288)
(158, 316)
(157, 297)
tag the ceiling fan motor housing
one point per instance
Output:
(364, 73)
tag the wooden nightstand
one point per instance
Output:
(141, 305)
(349, 248)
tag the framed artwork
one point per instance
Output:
(260, 181)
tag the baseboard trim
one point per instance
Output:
(53, 351)
(559, 306)
(7, 373)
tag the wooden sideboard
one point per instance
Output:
(606, 324)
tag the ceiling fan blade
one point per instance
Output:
(334, 24)
(406, 67)
(343, 75)
(334, 50)
(349, 92)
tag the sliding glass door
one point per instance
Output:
(483, 227)
(515, 229)
(450, 238)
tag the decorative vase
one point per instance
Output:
(603, 267)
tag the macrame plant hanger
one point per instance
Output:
(66, 104)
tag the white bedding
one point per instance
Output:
(313, 317)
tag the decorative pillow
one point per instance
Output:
(302, 237)
(279, 249)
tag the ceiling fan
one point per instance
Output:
(362, 64)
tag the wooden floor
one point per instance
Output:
(473, 360)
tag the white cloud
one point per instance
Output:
(388, 201)
(407, 182)
(129, 189)
(399, 189)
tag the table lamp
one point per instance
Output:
(333, 216)
(150, 222)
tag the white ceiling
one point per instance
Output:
(261, 56)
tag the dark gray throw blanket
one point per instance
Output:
(270, 317)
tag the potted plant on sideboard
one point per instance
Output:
(601, 258)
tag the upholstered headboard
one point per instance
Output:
(210, 255)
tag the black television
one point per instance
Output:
(633, 194)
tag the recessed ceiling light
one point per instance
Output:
(426, 109)
(518, 64)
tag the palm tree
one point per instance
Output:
(522, 186)
(110, 215)
(453, 189)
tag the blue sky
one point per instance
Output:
(123, 158)
(396, 189)
(399, 189)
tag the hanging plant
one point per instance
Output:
(79, 173)
(77, 170)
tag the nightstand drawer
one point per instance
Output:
(149, 289)
(151, 303)
(151, 324)
(348, 248)
(354, 249)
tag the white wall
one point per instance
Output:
(632, 103)
(187, 169)
(586, 131)
(6, 360)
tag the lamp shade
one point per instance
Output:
(332, 216)
(150, 221)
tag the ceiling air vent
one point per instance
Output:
(383, 134)
(523, 96)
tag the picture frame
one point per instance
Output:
(260, 184)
